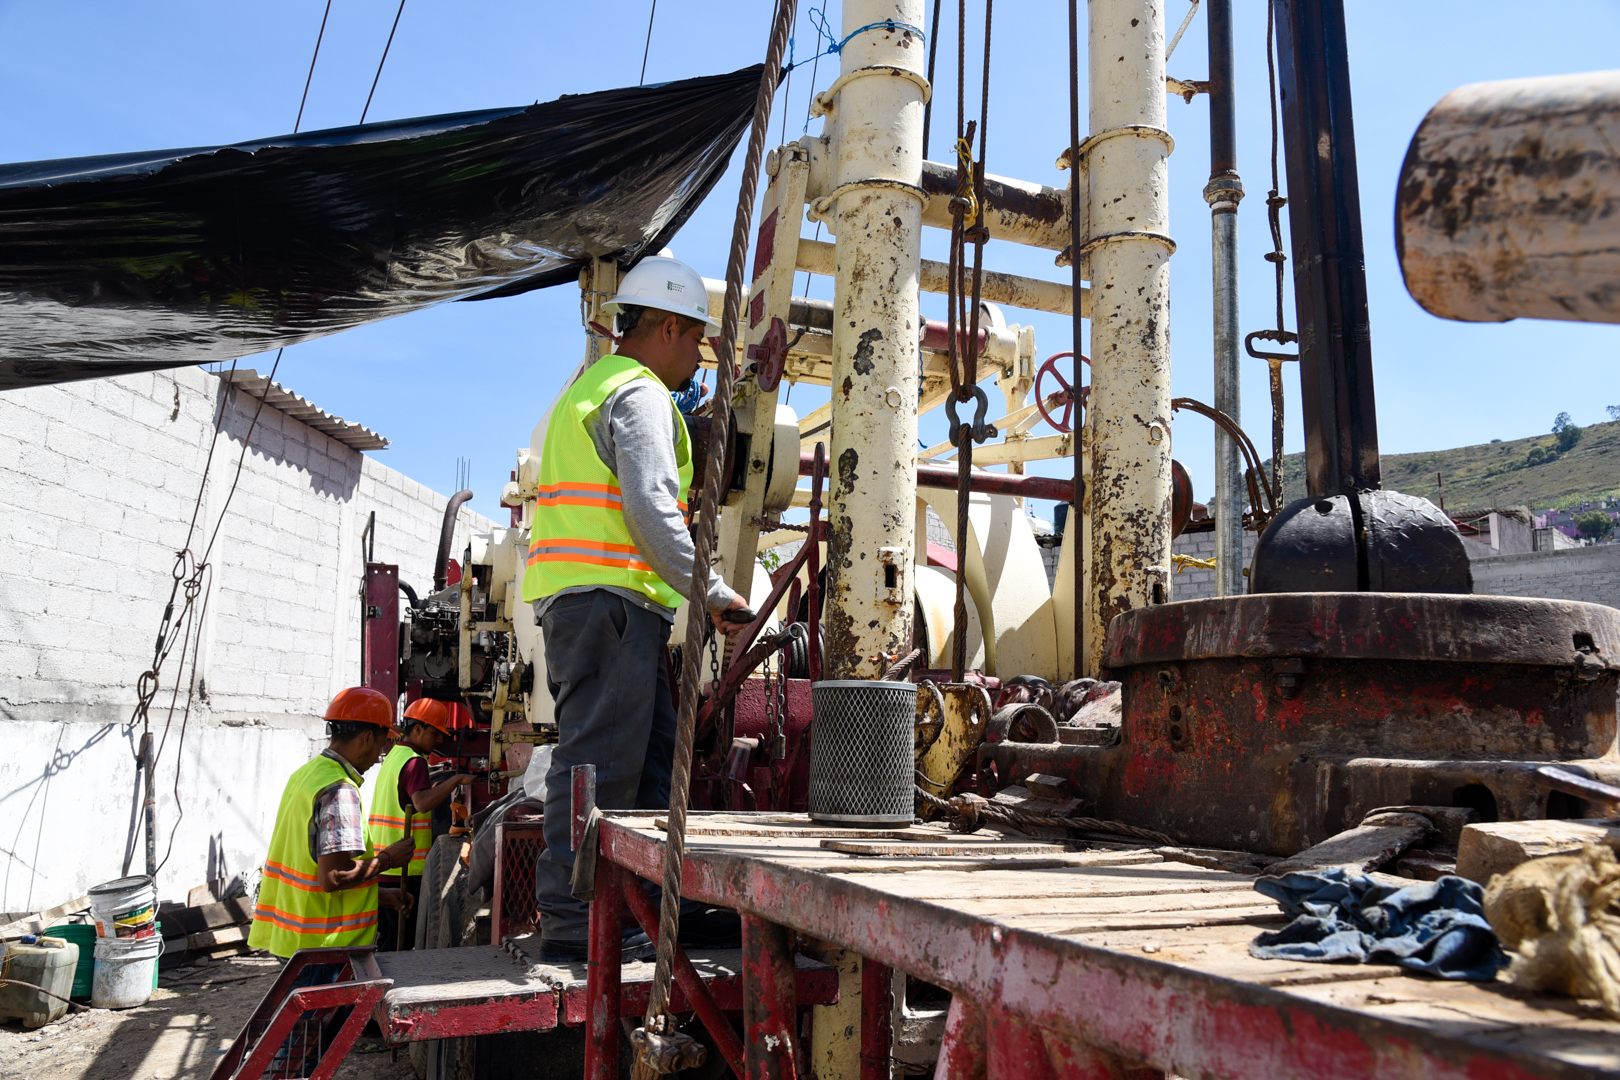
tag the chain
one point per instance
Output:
(1275, 201)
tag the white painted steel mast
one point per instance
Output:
(1129, 248)
(874, 210)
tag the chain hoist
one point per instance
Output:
(1275, 201)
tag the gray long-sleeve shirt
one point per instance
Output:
(634, 435)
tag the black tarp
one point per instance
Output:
(134, 262)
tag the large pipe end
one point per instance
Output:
(447, 533)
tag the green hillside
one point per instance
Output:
(1496, 473)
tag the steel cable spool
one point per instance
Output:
(861, 752)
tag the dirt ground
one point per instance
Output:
(192, 1017)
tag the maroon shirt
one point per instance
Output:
(412, 778)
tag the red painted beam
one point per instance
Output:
(984, 483)
(770, 1005)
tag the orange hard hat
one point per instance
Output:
(361, 705)
(430, 712)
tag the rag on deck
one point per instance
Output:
(1436, 927)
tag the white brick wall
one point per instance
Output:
(97, 485)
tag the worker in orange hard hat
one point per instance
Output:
(322, 878)
(403, 807)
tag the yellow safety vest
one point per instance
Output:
(578, 536)
(386, 822)
(293, 911)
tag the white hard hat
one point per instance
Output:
(664, 284)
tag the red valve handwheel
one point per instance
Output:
(1065, 395)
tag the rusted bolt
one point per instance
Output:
(1288, 674)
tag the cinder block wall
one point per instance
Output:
(1591, 574)
(1190, 584)
(98, 481)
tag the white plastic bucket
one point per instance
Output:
(124, 971)
(124, 908)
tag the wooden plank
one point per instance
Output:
(1157, 903)
(41, 921)
(1495, 848)
(196, 919)
(935, 850)
(942, 886)
(1065, 924)
(1373, 843)
(225, 935)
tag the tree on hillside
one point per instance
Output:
(1560, 422)
(1613, 411)
(1594, 525)
(1568, 436)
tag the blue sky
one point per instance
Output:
(470, 380)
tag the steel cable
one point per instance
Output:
(658, 1020)
(968, 816)
(383, 61)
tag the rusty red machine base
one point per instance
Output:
(1271, 722)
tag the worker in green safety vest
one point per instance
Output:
(320, 881)
(403, 805)
(610, 558)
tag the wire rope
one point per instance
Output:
(311, 76)
(384, 60)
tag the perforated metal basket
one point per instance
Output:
(861, 752)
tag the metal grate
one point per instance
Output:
(513, 909)
(861, 752)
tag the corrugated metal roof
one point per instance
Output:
(278, 397)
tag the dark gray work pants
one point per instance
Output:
(606, 669)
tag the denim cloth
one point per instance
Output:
(1436, 927)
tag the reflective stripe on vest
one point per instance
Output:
(578, 536)
(386, 822)
(293, 911)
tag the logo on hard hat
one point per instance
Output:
(674, 286)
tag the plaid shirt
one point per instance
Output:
(337, 825)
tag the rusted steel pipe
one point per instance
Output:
(1015, 210)
(602, 975)
(877, 1020)
(1506, 206)
(1223, 193)
(1014, 290)
(770, 1001)
(1330, 275)
(940, 476)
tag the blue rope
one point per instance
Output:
(818, 19)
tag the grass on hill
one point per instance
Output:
(1497, 474)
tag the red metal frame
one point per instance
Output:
(1083, 1011)
(361, 986)
(380, 629)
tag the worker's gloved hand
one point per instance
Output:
(736, 616)
(399, 852)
